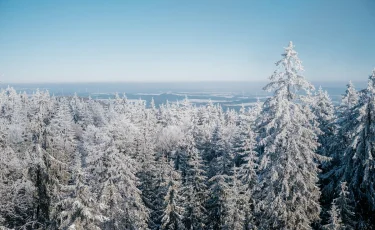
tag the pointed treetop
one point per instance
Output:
(117, 96)
(152, 103)
(350, 98)
(291, 57)
(286, 81)
(371, 82)
(242, 110)
(323, 93)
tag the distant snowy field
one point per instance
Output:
(228, 94)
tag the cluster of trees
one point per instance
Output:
(295, 161)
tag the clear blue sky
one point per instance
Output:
(156, 40)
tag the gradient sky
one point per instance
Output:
(194, 40)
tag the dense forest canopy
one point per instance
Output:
(295, 161)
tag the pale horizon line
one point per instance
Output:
(167, 81)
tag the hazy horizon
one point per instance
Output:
(177, 82)
(229, 94)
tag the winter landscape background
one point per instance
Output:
(187, 115)
(290, 158)
(227, 94)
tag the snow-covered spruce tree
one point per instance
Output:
(244, 135)
(124, 134)
(60, 150)
(357, 163)
(40, 112)
(78, 210)
(61, 143)
(288, 192)
(323, 110)
(220, 178)
(11, 104)
(123, 211)
(220, 157)
(180, 158)
(170, 163)
(239, 139)
(97, 113)
(173, 210)
(345, 206)
(335, 222)
(342, 211)
(330, 178)
(206, 122)
(76, 106)
(218, 204)
(255, 111)
(184, 113)
(248, 177)
(86, 117)
(16, 191)
(343, 121)
(14, 112)
(236, 218)
(121, 104)
(194, 190)
(350, 98)
(113, 177)
(148, 173)
(245, 158)
(325, 119)
(186, 120)
(159, 185)
(231, 118)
